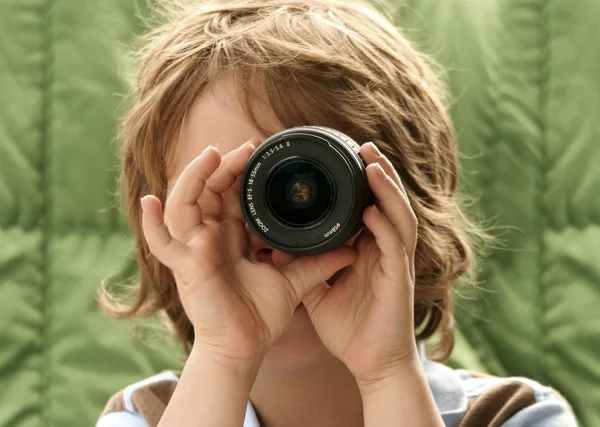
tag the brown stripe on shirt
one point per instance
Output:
(497, 404)
(116, 403)
(150, 400)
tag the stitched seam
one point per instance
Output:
(478, 331)
(45, 219)
(66, 229)
(544, 10)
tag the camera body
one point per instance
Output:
(304, 190)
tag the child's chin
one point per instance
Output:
(298, 347)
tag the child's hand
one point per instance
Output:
(238, 308)
(366, 317)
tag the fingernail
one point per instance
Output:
(206, 150)
(375, 147)
(143, 203)
(379, 170)
(376, 210)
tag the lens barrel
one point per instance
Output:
(304, 190)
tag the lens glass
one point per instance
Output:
(300, 192)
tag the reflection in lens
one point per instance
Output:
(300, 192)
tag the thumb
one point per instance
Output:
(306, 272)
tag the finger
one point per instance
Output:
(393, 253)
(233, 164)
(232, 209)
(163, 246)
(182, 211)
(371, 154)
(213, 202)
(395, 207)
(306, 272)
(281, 259)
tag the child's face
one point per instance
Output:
(218, 119)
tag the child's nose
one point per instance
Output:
(260, 251)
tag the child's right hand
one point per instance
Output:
(238, 307)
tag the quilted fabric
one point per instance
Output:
(61, 85)
(525, 75)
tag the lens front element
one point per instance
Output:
(300, 192)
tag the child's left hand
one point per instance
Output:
(366, 317)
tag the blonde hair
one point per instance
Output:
(318, 62)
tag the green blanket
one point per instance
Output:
(525, 76)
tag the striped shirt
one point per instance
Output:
(464, 399)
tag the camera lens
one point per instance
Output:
(304, 190)
(299, 192)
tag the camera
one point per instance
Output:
(304, 189)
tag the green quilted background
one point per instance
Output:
(525, 76)
(525, 79)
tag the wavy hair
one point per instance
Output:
(319, 62)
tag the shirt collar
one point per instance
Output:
(446, 387)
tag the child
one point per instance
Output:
(272, 339)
